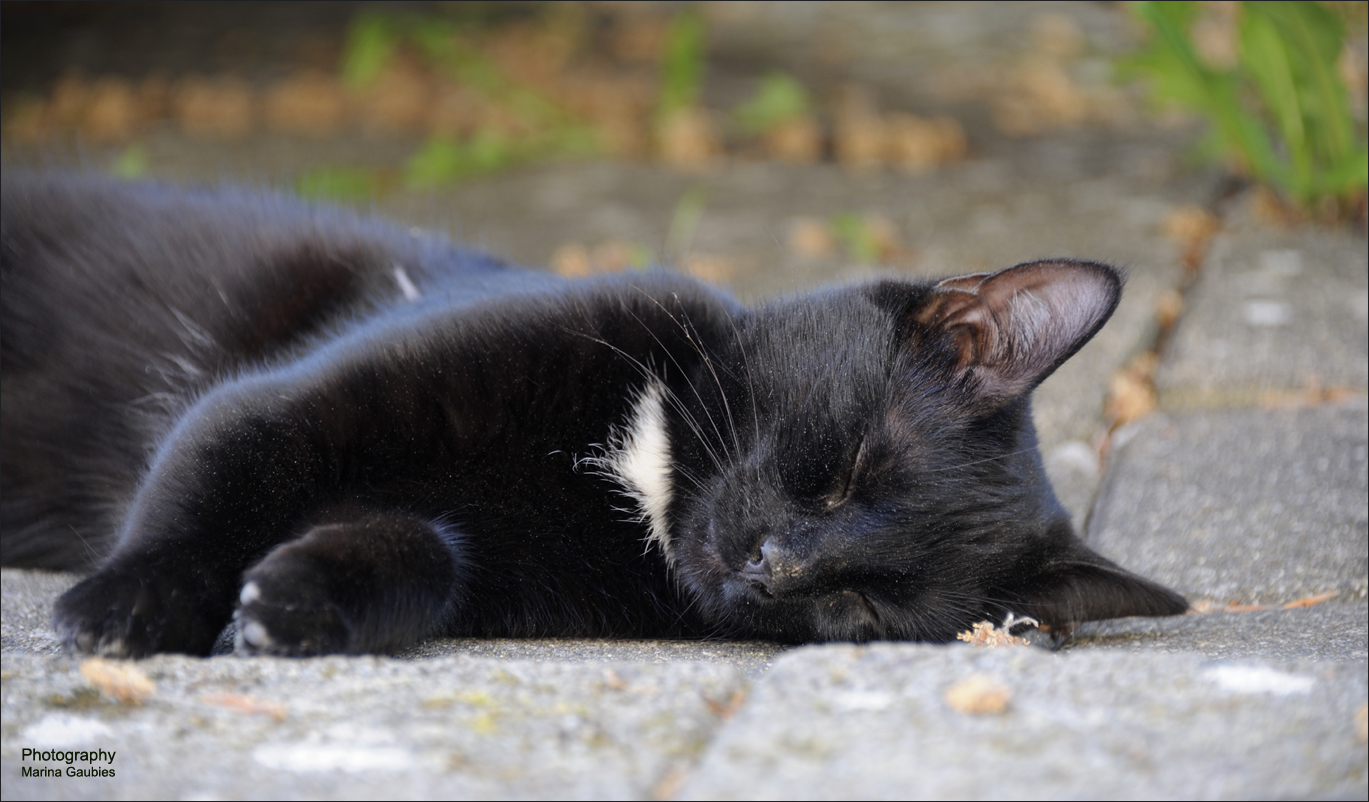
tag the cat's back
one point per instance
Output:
(244, 266)
(123, 302)
(212, 280)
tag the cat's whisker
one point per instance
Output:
(650, 375)
(688, 475)
(93, 555)
(689, 333)
(198, 337)
(986, 459)
(750, 382)
(684, 373)
(694, 426)
(669, 394)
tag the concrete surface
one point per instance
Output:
(1246, 490)
(1244, 506)
(451, 727)
(876, 723)
(1281, 311)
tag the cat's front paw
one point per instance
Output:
(285, 609)
(118, 613)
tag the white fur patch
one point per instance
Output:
(406, 285)
(638, 458)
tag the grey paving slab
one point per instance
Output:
(843, 722)
(1253, 506)
(450, 727)
(26, 611)
(1272, 311)
(751, 658)
(1335, 631)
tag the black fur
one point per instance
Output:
(211, 391)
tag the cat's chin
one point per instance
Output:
(748, 610)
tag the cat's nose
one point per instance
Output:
(779, 569)
(757, 569)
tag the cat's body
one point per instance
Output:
(362, 437)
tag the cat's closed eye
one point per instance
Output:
(848, 478)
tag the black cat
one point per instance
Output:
(361, 437)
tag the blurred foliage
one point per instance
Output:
(371, 42)
(340, 184)
(682, 64)
(444, 45)
(441, 159)
(684, 221)
(857, 237)
(778, 99)
(1281, 110)
(638, 256)
(132, 163)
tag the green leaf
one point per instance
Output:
(1315, 38)
(1350, 175)
(1265, 54)
(1183, 78)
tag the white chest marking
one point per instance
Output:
(638, 458)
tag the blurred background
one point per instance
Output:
(761, 145)
(768, 147)
(494, 121)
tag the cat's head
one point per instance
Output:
(862, 464)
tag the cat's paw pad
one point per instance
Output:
(282, 610)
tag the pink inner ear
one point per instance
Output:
(961, 312)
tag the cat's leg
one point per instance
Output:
(376, 583)
(226, 487)
(234, 480)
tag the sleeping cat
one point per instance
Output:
(349, 437)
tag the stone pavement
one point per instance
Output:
(1246, 490)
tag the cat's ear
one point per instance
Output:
(1013, 328)
(1084, 586)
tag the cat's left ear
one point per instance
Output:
(1013, 328)
(1084, 586)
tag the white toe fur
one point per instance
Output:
(254, 632)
